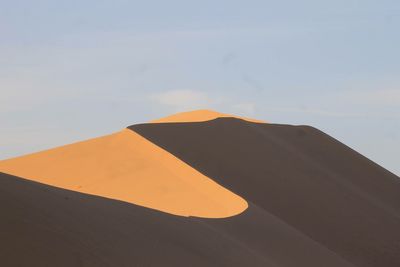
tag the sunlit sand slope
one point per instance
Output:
(127, 167)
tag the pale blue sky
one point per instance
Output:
(71, 70)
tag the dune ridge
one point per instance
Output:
(200, 116)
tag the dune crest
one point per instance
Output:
(125, 166)
(200, 116)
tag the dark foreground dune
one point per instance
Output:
(312, 201)
(47, 226)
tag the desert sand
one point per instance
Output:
(329, 192)
(200, 116)
(256, 194)
(127, 167)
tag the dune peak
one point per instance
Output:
(199, 116)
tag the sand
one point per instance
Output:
(127, 167)
(265, 195)
(43, 225)
(200, 116)
(309, 180)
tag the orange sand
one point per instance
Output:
(127, 167)
(198, 116)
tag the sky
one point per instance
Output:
(73, 70)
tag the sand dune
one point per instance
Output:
(263, 195)
(125, 166)
(200, 116)
(309, 180)
(47, 226)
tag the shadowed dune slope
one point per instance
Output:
(303, 177)
(125, 166)
(43, 225)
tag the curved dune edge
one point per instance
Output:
(125, 166)
(200, 116)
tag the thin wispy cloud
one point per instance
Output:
(381, 97)
(183, 99)
(245, 108)
(317, 111)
